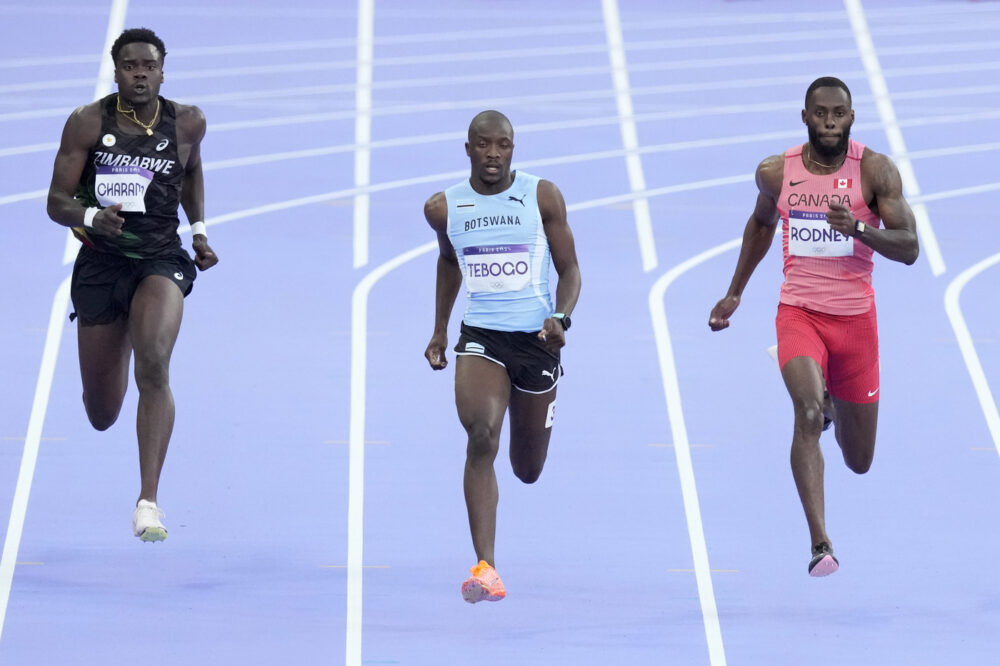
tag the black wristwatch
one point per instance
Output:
(563, 319)
(859, 227)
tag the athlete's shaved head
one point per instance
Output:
(490, 120)
(490, 148)
(137, 35)
(827, 82)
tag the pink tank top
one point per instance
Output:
(824, 270)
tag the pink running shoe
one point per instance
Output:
(823, 562)
(484, 585)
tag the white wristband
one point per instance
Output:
(198, 228)
(89, 215)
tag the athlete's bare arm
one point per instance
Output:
(82, 130)
(563, 249)
(883, 190)
(190, 131)
(757, 237)
(449, 280)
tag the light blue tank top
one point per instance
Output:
(504, 254)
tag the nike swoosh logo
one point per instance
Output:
(793, 183)
(871, 393)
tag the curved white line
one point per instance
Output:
(682, 448)
(356, 467)
(29, 456)
(968, 348)
(46, 374)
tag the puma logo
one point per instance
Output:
(511, 197)
(550, 375)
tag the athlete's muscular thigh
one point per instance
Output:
(482, 390)
(531, 417)
(154, 321)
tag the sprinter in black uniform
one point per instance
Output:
(124, 164)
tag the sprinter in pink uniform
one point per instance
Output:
(830, 194)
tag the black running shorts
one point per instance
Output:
(103, 283)
(531, 366)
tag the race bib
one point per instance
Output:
(809, 235)
(497, 268)
(123, 184)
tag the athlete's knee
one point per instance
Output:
(483, 441)
(809, 416)
(152, 371)
(527, 460)
(527, 472)
(859, 463)
(101, 417)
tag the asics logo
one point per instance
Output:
(163, 144)
(178, 275)
(511, 197)
(871, 393)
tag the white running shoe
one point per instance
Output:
(146, 522)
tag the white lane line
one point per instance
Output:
(30, 148)
(876, 79)
(659, 191)
(356, 474)
(46, 374)
(936, 93)
(630, 135)
(29, 456)
(568, 159)
(443, 37)
(974, 13)
(968, 348)
(948, 151)
(446, 177)
(978, 48)
(363, 127)
(267, 158)
(960, 192)
(23, 196)
(682, 450)
(355, 511)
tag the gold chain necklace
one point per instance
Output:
(825, 166)
(134, 118)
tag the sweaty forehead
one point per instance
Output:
(140, 51)
(829, 97)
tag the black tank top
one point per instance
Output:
(146, 169)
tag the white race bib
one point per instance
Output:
(497, 268)
(810, 235)
(123, 184)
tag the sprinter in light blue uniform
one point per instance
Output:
(503, 252)
(499, 231)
